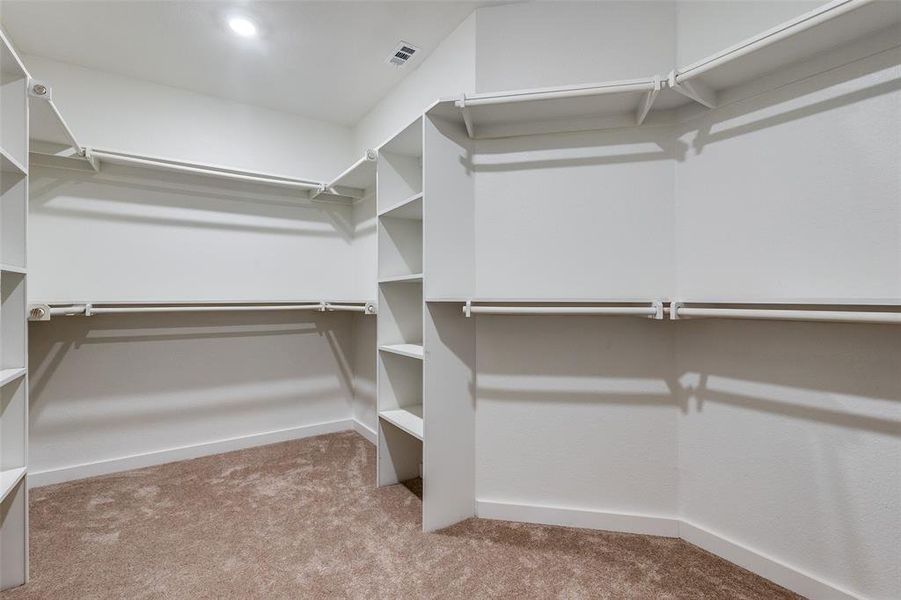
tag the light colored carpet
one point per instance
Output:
(304, 519)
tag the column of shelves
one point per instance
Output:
(400, 358)
(13, 324)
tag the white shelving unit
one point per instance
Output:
(603, 105)
(13, 325)
(399, 202)
(408, 350)
(408, 418)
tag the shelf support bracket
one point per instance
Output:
(92, 160)
(467, 116)
(647, 101)
(658, 310)
(694, 90)
(467, 309)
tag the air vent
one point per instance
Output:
(401, 54)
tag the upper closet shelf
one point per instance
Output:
(829, 26)
(560, 109)
(354, 180)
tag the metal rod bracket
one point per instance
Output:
(674, 310)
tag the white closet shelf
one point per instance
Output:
(407, 418)
(826, 27)
(412, 278)
(9, 479)
(8, 164)
(357, 178)
(6, 268)
(411, 208)
(10, 375)
(560, 109)
(408, 350)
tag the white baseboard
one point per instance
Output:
(761, 564)
(371, 436)
(752, 560)
(148, 459)
(576, 517)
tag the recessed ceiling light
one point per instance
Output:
(242, 26)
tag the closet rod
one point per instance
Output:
(200, 169)
(43, 312)
(655, 311)
(616, 87)
(677, 311)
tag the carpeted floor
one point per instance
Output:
(303, 520)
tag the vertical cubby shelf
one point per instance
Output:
(13, 324)
(400, 200)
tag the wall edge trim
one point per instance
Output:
(159, 457)
(578, 517)
(364, 430)
(760, 563)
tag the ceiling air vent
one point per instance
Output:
(401, 54)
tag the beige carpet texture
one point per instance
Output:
(304, 519)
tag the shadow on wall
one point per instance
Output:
(832, 71)
(126, 194)
(845, 375)
(93, 374)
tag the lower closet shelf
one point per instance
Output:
(10, 478)
(410, 350)
(408, 418)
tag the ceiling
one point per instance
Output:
(324, 60)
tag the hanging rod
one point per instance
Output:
(654, 311)
(43, 312)
(200, 169)
(555, 93)
(678, 311)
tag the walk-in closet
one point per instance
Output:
(450, 299)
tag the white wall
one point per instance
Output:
(538, 44)
(167, 387)
(112, 392)
(576, 413)
(130, 234)
(790, 446)
(790, 442)
(114, 112)
(448, 71)
(707, 26)
(788, 434)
